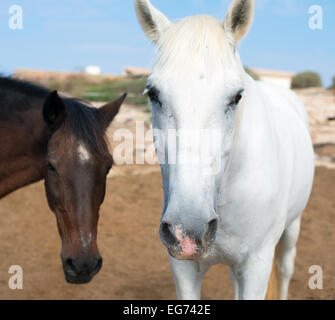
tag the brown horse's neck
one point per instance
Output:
(23, 147)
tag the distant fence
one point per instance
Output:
(48, 76)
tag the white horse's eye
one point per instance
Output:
(153, 94)
(236, 99)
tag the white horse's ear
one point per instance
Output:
(239, 18)
(153, 21)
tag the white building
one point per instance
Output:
(93, 70)
(134, 72)
(282, 78)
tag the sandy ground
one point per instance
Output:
(135, 262)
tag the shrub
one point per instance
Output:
(252, 74)
(306, 80)
(112, 89)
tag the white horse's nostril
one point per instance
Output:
(211, 231)
(166, 235)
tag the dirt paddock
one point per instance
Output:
(135, 262)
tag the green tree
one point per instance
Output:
(333, 85)
(307, 79)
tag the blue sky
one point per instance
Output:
(68, 35)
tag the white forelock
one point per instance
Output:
(195, 43)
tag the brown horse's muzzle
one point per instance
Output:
(81, 270)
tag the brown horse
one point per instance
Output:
(61, 140)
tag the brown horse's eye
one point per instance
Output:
(51, 168)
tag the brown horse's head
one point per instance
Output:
(78, 161)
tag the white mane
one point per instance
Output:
(195, 43)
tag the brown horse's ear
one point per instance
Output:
(54, 111)
(108, 112)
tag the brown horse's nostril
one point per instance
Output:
(70, 267)
(98, 266)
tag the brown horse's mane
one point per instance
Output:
(21, 86)
(17, 96)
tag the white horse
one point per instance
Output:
(254, 201)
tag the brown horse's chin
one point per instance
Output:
(71, 280)
(80, 279)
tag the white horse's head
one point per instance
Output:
(196, 89)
